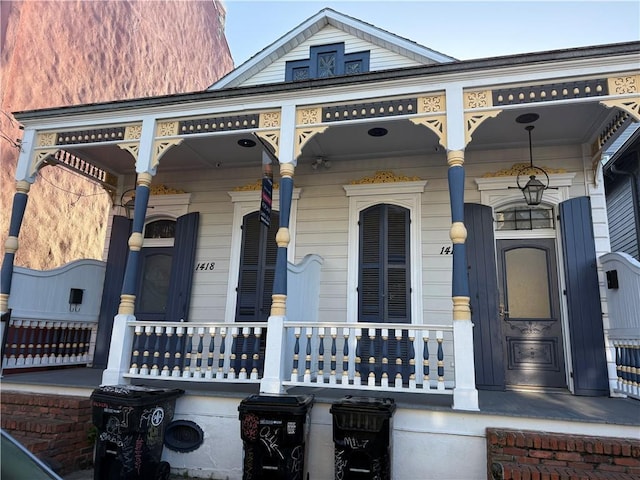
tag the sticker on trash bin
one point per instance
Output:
(291, 428)
(250, 426)
(157, 416)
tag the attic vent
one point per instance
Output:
(327, 61)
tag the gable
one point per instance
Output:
(385, 50)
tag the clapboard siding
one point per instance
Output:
(323, 221)
(380, 58)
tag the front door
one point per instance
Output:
(530, 313)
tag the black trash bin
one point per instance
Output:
(274, 430)
(362, 437)
(131, 421)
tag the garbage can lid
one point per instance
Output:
(371, 404)
(276, 403)
(135, 391)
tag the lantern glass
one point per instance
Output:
(533, 191)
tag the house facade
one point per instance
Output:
(345, 212)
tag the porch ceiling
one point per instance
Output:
(573, 123)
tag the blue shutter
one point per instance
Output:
(113, 277)
(583, 298)
(182, 266)
(257, 268)
(483, 288)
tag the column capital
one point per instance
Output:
(144, 179)
(287, 169)
(22, 186)
(455, 158)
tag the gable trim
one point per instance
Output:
(314, 24)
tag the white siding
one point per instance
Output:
(380, 59)
(322, 222)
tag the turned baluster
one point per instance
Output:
(439, 338)
(296, 354)
(255, 367)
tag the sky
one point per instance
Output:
(461, 29)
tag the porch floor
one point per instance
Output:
(556, 406)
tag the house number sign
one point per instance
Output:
(205, 266)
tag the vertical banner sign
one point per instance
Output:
(265, 200)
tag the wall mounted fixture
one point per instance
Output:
(75, 299)
(246, 142)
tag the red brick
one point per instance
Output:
(529, 461)
(554, 463)
(541, 454)
(516, 452)
(626, 461)
(610, 468)
(596, 458)
(569, 456)
(625, 449)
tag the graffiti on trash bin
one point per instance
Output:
(269, 437)
(356, 443)
(138, 455)
(250, 424)
(296, 462)
(340, 464)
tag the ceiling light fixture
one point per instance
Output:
(377, 132)
(246, 142)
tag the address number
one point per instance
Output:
(204, 266)
(446, 250)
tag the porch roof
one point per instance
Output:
(461, 66)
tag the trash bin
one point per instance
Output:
(362, 437)
(131, 421)
(274, 430)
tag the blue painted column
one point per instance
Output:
(11, 245)
(465, 394)
(132, 270)
(279, 297)
(458, 232)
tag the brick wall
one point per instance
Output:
(520, 454)
(55, 428)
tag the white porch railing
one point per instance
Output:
(42, 343)
(398, 357)
(208, 352)
(279, 354)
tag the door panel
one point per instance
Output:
(530, 313)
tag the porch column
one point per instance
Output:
(279, 297)
(465, 395)
(132, 270)
(11, 245)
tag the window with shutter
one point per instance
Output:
(257, 268)
(383, 287)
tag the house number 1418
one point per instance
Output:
(205, 266)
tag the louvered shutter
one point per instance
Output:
(384, 286)
(182, 267)
(257, 268)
